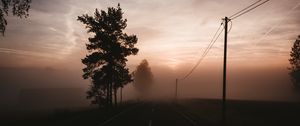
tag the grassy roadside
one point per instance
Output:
(244, 113)
(65, 117)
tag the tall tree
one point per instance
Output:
(295, 63)
(123, 79)
(143, 77)
(19, 8)
(108, 48)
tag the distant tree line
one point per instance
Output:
(108, 48)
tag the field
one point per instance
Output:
(188, 112)
(245, 113)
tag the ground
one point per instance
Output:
(191, 112)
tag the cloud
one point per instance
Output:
(171, 30)
(25, 53)
(172, 36)
(50, 6)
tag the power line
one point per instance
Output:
(230, 26)
(249, 10)
(213, 43)
(214, 39)
(276, 25)
(218, 33)
(245, 8)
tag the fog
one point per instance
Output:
(44, 87)
(49, 88)
(44, 60)
(263, 83)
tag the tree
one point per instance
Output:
(20, 9)
(143, 77)
(295, 63)
(123, 79)
(108, 49)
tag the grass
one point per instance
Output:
(64, 117)
(245, 113)
(239, 113)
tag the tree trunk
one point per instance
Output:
(109, 92)
(121, 93)
(115, 95)
(107, 95)
(110, 95)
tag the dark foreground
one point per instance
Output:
(186, 113)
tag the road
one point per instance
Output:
(152, 114)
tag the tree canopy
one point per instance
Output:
(19, 8)
(108, 48)
(295, 63)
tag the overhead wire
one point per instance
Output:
(277, 24)
(218, 32)
(214, 39)
(246, 11)
(230, 26)
(245, 8)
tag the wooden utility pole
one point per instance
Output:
(176, 90)
(224, 73)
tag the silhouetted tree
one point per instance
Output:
(143, 77)
(121, 80)
(19, 8)
(108, 49)
(295, 63)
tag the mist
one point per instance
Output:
(41, 88)
(245, 82)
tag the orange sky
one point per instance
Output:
(174, 33)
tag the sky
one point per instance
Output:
(172, 35)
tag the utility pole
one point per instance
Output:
(176, 87)
(224, 72)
